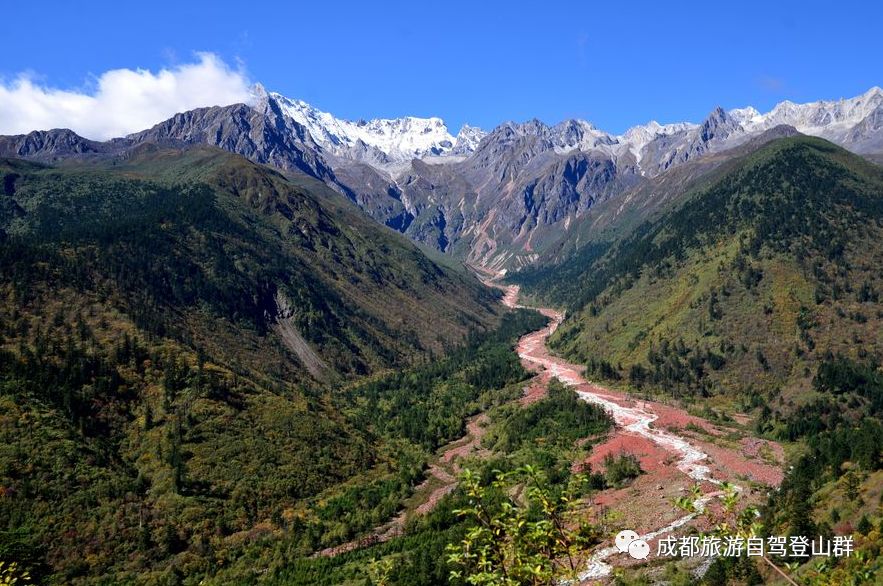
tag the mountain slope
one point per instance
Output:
(515, 191)
(617, 216)
(745, 287)
(841, 121)
(528, 187)
(175, 328)
(265, 137)
(345, 258)
(58, 145)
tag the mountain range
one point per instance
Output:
(758, 260)
(500, 199)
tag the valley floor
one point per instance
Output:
(676, 451)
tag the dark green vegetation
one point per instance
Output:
(824, 493)
(408, 414)
(742, 288)
(557, 421)
(621, 469)
(834, 488)
(420, 556)
(428, 406)
(209, 370)
(176, 331)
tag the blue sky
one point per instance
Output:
(613, 63)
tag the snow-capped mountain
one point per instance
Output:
(637, 137)
(853, 123)
(389, 145)
(817, 118)
(467, 140)
(581, 135)
(381, 142)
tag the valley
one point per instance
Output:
(672, 459)
(279, 347)
(676, 452)
(521, 195)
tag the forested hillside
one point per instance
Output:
(176, 329)
(743, 289)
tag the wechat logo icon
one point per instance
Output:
(631, 542)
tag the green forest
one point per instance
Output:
(156, 423)
(741, 288)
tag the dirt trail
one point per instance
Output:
(441, 479)
(671, 458)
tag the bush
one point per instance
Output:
(620, 470)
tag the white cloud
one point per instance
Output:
(124, 100)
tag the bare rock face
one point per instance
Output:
(719, 131)
(264, 137)
(514, 192)
(285, 324)
(867, 135)
(52, 145)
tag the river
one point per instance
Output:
(632, 418)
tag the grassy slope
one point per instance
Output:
(152, 421)
(764, 268)
(613, 218)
